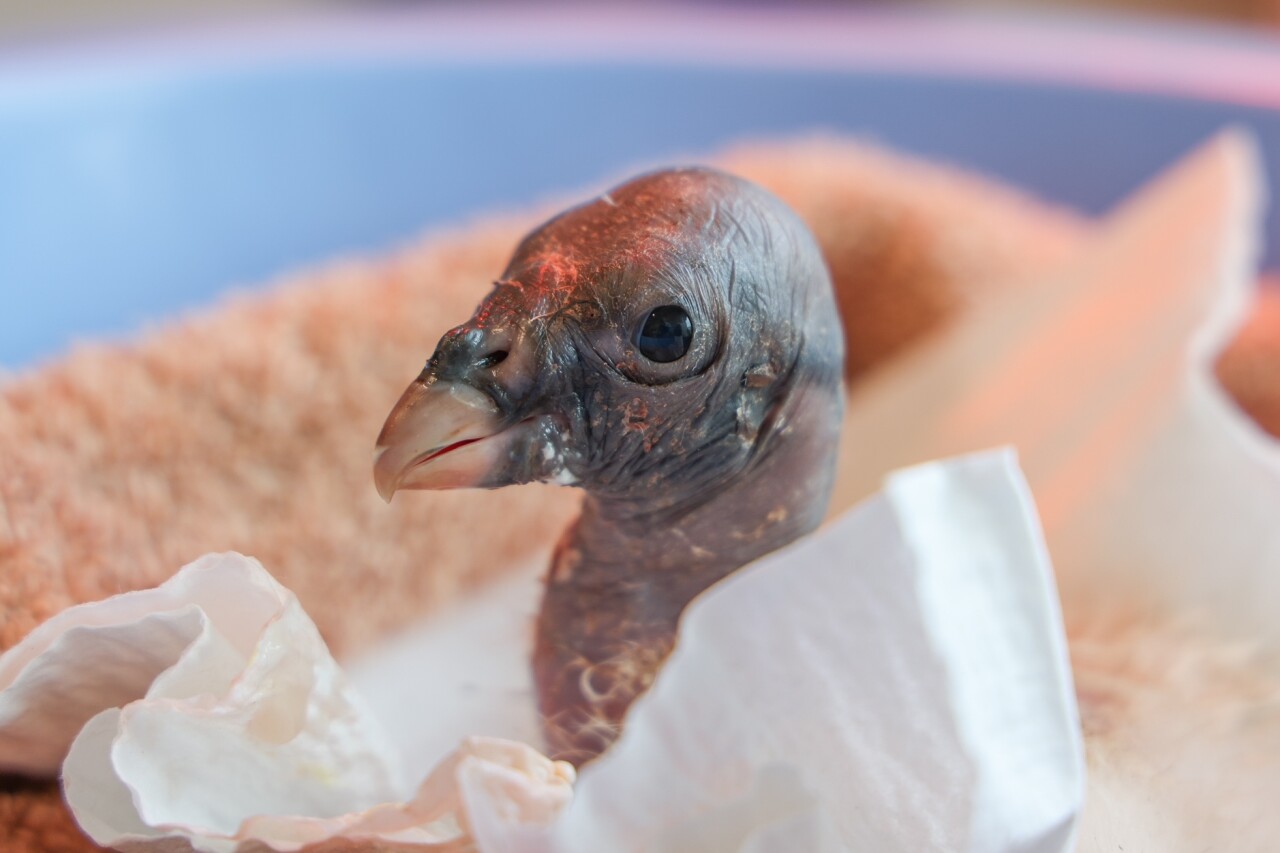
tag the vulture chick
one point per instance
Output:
(673, 348)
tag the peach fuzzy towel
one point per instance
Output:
(250, 426)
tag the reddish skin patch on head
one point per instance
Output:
(550, 273)
(636, 419)
(550, 280)
(636, 416)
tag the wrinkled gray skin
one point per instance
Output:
(691, 468)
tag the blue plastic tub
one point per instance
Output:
(140, 178)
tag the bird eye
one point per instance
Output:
(666, 334)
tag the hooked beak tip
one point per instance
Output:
(433, 439)
(384, 480)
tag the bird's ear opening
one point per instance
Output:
(760, 376)
(755, 400)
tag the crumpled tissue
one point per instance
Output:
(210, 708)
(897, 681)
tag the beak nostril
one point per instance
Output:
(492, 359)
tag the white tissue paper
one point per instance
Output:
(897, 681)
(210, 709)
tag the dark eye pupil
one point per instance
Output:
(666, 334)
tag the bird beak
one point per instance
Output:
(435, 438)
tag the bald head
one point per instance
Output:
(673, 348)
(635, 345)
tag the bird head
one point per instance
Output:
(644, 346)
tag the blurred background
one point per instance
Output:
(155, 153)
(23, 18)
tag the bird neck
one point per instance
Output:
(627, 568)
(779, 496)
